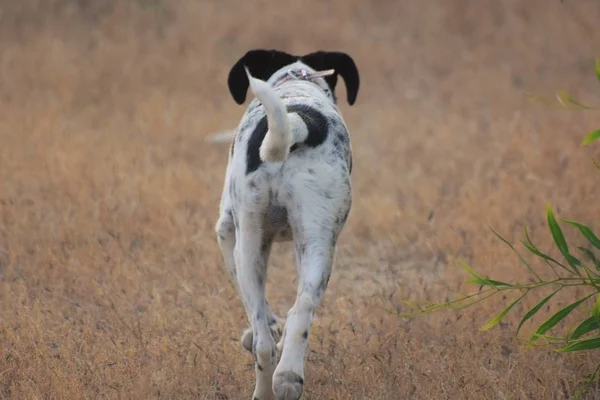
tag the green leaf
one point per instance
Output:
(594, 278)
(598, 69)
(588, 344)
(535, 309)
(596, 308)
(557, 234)
(411, 304)
(501, 238)
(470, 271)
(518, 254)
(585, 231)
(538, 253)
(488, 282)
(501, 315)
(532, 248)
(556, 318)
(534, 98)
(565, 98)
(586, 326)
(559, 238)
(591, 256)
(591, 137)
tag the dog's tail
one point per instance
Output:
(276, 144)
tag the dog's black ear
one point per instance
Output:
(343, 65)
(261, 63)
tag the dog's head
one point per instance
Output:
(272, 65)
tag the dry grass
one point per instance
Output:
(111, 283)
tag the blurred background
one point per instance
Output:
(111, 281)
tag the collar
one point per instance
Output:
(303, 75)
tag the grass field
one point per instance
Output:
(111, 281)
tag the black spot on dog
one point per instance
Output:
(327, 195)
(332, 242)
(324, 280)
(317, 124)
(322, 285)
(260, 368)
(231, 147)
(337, 144)
(253, 160)
(344, 218)
(261, 282)
(305, 335)
(252, 184)
(259, 314)
(311, 171)
(350, 163)
(342, 136)
(302, 250)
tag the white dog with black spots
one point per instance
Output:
(288, 178)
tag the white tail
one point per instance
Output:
(276, 144)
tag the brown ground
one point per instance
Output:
(111, 283)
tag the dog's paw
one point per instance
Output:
(288, 386)
(247, 339)
(248, 336)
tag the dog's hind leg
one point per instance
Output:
(316, 259)
(251, 255)
(316, 230)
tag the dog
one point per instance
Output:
(287, 178)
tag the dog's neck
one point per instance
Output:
(303, 75)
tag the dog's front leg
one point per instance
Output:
(251, 262)
(225, 230)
